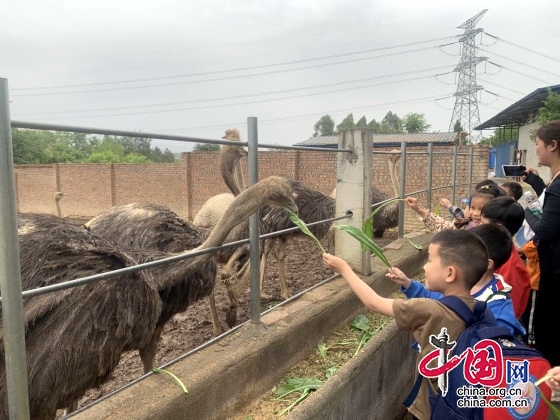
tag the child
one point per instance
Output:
(457, 259)
(457, 212)
(478, 199)
(510, 214)
(491, 288)
(513, 189)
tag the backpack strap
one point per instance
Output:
(414, 391)
(464, 312)
(481, 313)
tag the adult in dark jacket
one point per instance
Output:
(547, 240)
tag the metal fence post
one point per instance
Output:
(471, 161)
(402, 191)
(10, 272)
(454, 174)
(429, 175)
(254, 258)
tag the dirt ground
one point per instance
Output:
(192, 328)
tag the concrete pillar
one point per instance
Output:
(353, 192)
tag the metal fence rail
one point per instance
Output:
(10, 277)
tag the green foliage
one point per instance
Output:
(374, 126)
(179, 382)
(361, 323)
(324, 127)
(415, 123)
(365, 241)
(303, 227)
(457, 128)
(501, 136)
(303, 386)
(362, 123)
(551, 108)
(40, 146)
(391, 124)
(346, 124)
(206, 147)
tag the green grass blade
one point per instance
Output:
(301, 224)
(366, 242)
(552, 407)
(437, 210)
(322, 350)
(368, 224)
(157, 370)
(418, 247)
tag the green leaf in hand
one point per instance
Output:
(301, 224)
(365, 241)
(368, 224)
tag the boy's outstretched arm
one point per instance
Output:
(366, 294)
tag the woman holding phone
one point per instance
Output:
(547, 240)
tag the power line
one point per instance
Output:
(151, 79)
(241, 96)
(520, 73)
(519, 62)
(315, 114)
(503, 87)
(523, 48)
(245, 103)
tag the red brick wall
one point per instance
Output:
(186, 185)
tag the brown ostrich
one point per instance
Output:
(57, 197)
(388, 216)
(153, 228)
(111, 316)
(74, 338)
(313, 206)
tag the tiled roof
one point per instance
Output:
(390, 139)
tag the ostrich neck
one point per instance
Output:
(58, 208)
(393, 175)
(230, 168)
(242, 207)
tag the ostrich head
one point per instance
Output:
(57, 197)
(232, 134)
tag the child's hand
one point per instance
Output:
(398, 277)
(334, 263)
(554, 383)
(445, 202)
(412, 203)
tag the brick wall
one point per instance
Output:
(186, 185)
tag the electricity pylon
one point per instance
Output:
(466, 104)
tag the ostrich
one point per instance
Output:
(57, 197)
(388, 216)
(314, 206)
(153, 228)
(74, 338)
(215, 206)
(110, 316)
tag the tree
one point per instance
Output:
(374, 126)
(551, 109)
(362, 123)
(206, 147)
(501, 136)
(457, 128)
(391, 124)
(324, 127)
(346, 124)
(415, 123)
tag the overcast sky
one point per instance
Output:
(199, 67)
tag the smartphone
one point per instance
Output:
(513, 170)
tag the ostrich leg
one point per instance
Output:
(268, 246)
(280, 254)
(216, 325)
(148, 352)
